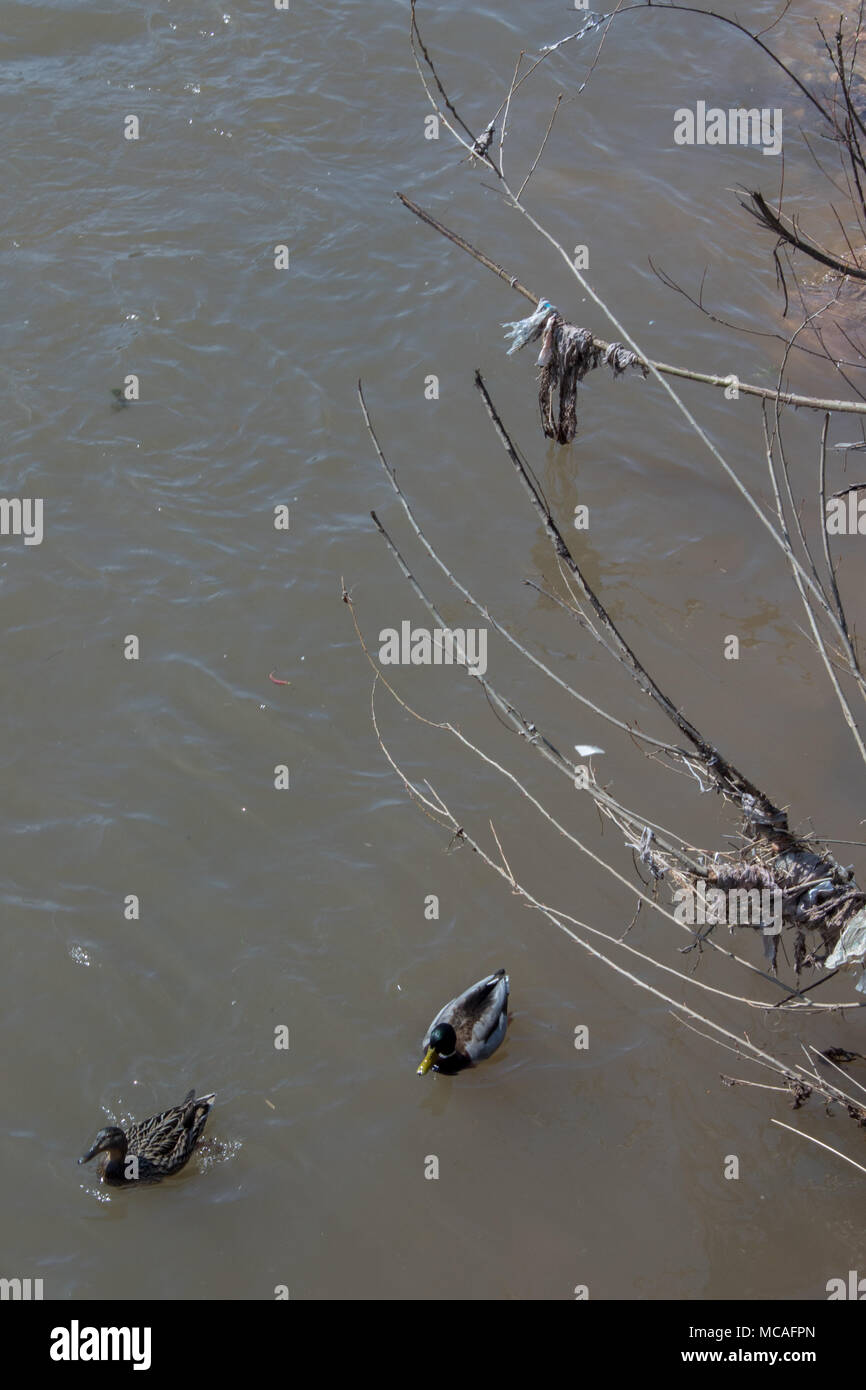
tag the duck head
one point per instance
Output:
(443, 1043)
(110, 1141)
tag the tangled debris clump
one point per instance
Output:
(567, 354)
(775, 884)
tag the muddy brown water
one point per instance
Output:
(305, 907)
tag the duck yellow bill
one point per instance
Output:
(428, 1061)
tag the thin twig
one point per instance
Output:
(821, 1145)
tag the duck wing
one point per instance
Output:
(483, 1013)
(164, 1139)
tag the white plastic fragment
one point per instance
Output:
(849, 952)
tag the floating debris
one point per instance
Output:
(567, 354)
(758, 811)
(850, 950)
(841, 1056)
(592, 21)
(523, 331)
(485, 140)
(812, 896)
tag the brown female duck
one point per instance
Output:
(153, 1149)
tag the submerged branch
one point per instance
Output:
(772, 221)
(726, 777)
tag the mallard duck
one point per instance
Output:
(468, 1029)
(153, 1149)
